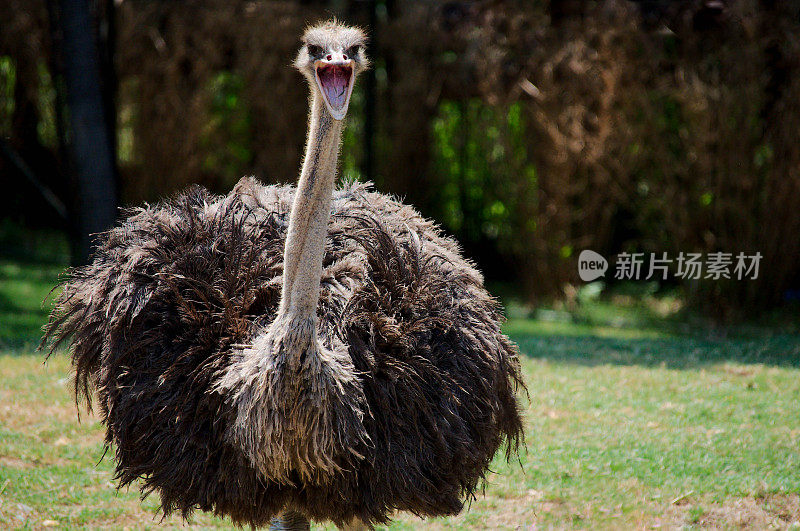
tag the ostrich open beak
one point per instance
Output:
(335, 81)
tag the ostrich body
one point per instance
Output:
(312, 352)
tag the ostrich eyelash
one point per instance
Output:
(353, 50)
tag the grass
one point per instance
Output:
(631, 424)
(23, 288)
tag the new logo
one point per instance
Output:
(591, 265)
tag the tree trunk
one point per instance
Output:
(92, 157)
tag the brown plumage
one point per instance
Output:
(396, 396)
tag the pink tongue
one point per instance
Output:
(334, 83)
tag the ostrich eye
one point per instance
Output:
(314, 50)
(353, 51)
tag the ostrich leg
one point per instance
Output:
(356, 525)
(293, 521)
(290, 521)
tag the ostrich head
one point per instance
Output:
(331, 57)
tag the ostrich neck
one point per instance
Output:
(308, 221)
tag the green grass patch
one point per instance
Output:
(23, 309)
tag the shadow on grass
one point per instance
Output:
(633, 326)
(675, 352)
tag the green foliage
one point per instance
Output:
(480, 156)
(8, 81)
(226, 138)
(35, 246)
(352, 153)
(126, 126)
(46, 103)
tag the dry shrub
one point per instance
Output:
(679, 140)
(170, 54)
(720, 162)
(633, 138)
(571, 81)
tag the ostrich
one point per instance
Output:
(300, 354)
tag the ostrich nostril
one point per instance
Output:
(329, 57)
(344, 56)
